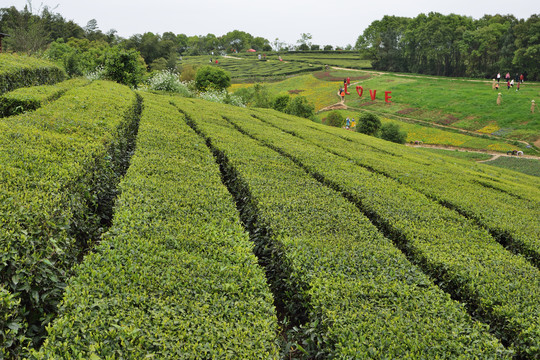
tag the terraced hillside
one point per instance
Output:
(248, 233)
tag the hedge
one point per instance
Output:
(175, 277)
(31, 98)
(505, 204)
(499, 287)
(23, 71)
(60, 167)
(346, 289)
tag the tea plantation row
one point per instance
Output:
(58, 175)
(22, 71)
(499, 287)
(361, 247)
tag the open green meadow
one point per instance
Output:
(460, 103)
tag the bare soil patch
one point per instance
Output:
(296, 91)
(326, 76)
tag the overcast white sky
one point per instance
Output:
(336, 23)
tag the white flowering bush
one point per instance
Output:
(169, 81)
(97, 74)
(222, 97)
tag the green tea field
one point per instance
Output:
(139, 225)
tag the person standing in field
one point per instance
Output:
(498, 77)
(507, 76)
(521, 77)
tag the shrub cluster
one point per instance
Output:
(212, 78)
(168, 81)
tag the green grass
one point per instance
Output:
(526, 166)
(457, 104)
(460, 103)
(436, 136)
(464, 155)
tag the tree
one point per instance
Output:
(280, 102)
(368, 124)
(91, 26)
(124, 66)
(305, 39)
(334, 118)
(212, 78)
(27, 32)
(391, 132)
(277, 45)
(236, 40)
(299, 106)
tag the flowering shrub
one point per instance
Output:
(169, 81)
(222, 97)
(97, 74)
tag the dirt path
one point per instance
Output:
(494, 155)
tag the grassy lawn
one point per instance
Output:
(526, 166)
(437, 136)
(464, 155)
(460, 103)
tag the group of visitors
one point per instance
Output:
(510, 82)
(350, 123)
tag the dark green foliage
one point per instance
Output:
(280, 102)
(392, 132)
(334, 118)
(57, 186)
(368, 124)
(124, 66)
(299, 106)
(212, 78)
(454, 45)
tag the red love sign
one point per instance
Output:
(372, 93)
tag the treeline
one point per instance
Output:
(44, 31)
(454, 45)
